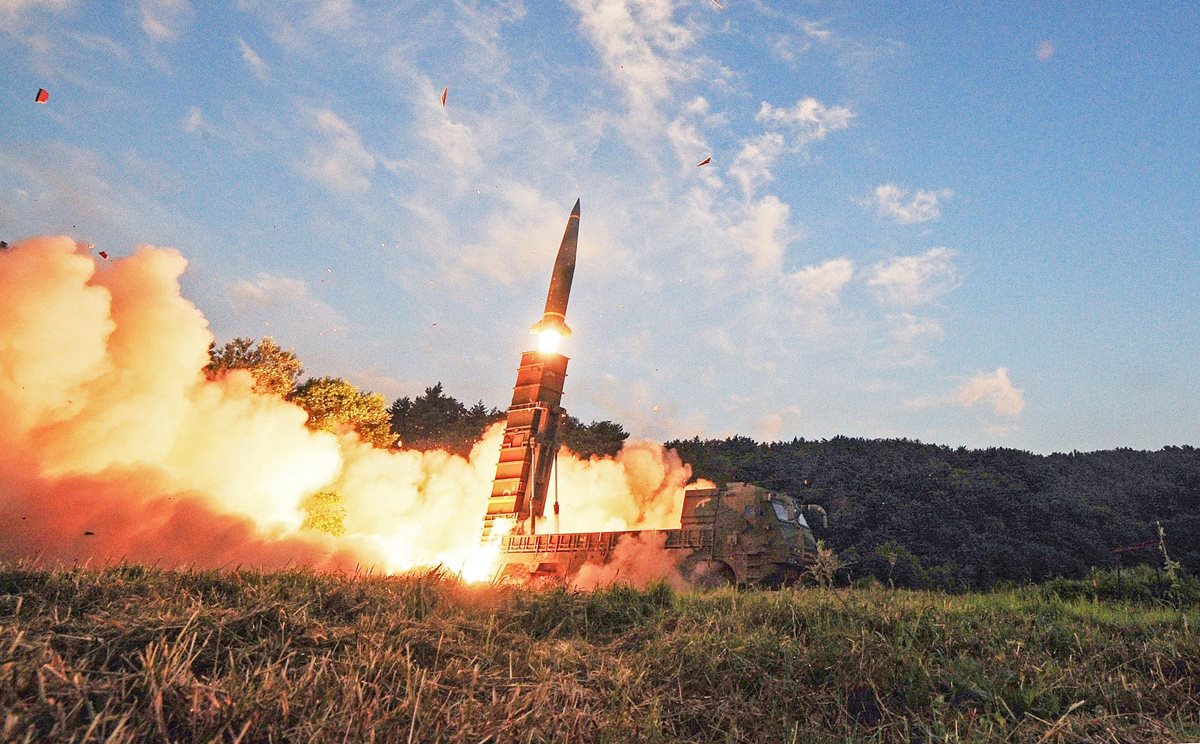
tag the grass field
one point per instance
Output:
(135, 654)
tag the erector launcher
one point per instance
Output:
(739, 533)
(531, 433)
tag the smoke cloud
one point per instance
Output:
(641, 488)
(637, 560)
(117, 447)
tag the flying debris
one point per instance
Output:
(718, 4)
(103, 254)
(88, 532)
(706, 161)
(444, 92)
(43, 95)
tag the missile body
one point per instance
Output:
(555, 316)
(532, 430)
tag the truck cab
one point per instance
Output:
(759, 536)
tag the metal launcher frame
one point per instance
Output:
(531, 439)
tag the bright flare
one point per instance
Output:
(548, 341)
(482, 562)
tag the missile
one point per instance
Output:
(554, 319)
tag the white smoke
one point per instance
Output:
(117, 446)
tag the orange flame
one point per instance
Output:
(117, 446)
(482, 563)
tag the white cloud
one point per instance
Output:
(922, 207)
(286, 304)
(333, 15)
(774, 424)
(809, 120)
(686, 141)
(16, 7)
(698, 106)
(718, 339)
(910, 336)
(341, 162)
(789, 47)
(454, 140)
(309, 27)
(685, 135)
(69, 189)
(642, 48)
(814, 293)
(994, 389)
(762, 234)
(481, 23)
(907, 328)
(823, 283)
(257, 66)
(98, 45)
(752, 166)
(517, 236)
(267, 290)
(195, 123)
(858, 58)
(165, 20)
(15, 13)
(814, 30)
(907, 281)
(683, 132)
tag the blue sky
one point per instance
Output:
(970, 227)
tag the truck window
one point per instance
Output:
(781, 512)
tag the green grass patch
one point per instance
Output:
(130, 653)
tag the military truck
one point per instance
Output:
(740, 534)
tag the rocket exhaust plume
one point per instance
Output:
(117, 447)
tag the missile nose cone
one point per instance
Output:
(554, 317)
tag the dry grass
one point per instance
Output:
(136, 654)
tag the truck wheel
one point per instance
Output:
(704, 574)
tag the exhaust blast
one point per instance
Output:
(116, 446)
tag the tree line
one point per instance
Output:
(924, 515)
(900, 511)
(432, 420)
